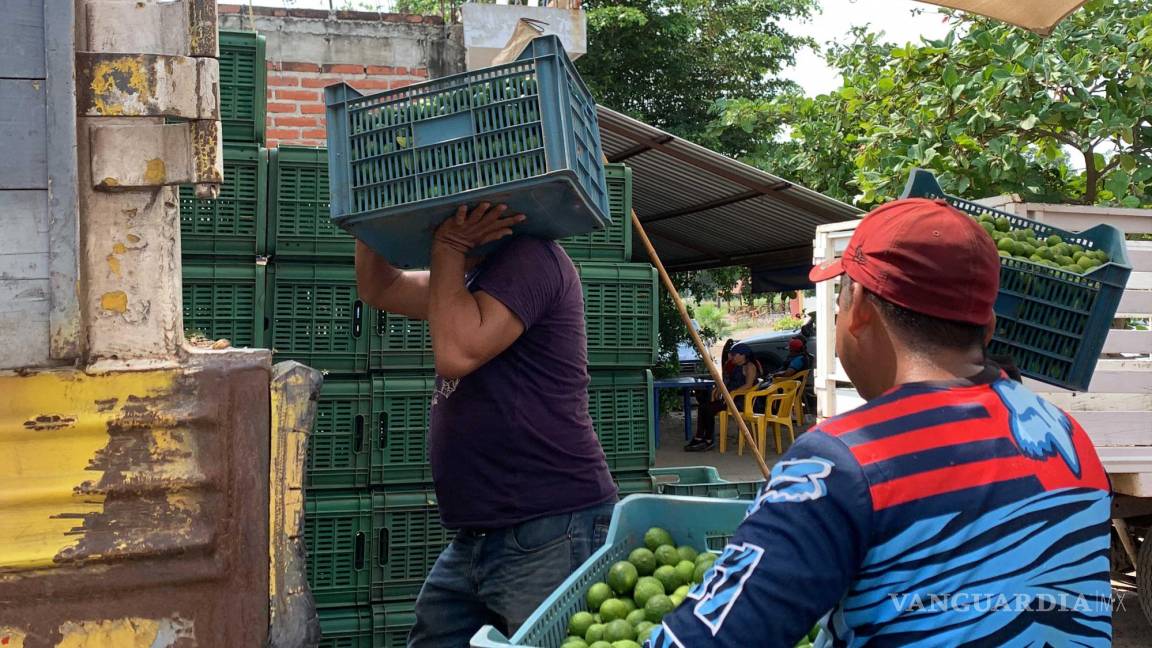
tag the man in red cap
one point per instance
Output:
(955, 508)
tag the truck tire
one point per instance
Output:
(1144, 576)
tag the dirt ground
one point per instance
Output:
(1130, 628)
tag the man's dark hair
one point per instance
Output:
(924, 333)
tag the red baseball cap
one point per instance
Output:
(923, 255)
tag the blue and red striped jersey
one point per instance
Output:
(967, 513)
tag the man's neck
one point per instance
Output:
(942, 366)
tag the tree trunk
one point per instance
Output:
(1091, 177)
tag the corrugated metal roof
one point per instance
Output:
(702, 209)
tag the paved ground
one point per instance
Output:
(1130, 629)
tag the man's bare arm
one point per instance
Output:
(388, 288)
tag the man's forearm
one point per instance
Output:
(388, 288)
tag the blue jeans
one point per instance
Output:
(500, 577)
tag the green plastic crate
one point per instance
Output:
(376, 626)
(403, 439)
(316, 317)
(243, 86)
(620, 311)
(338, 539)
(620, 404)
(702, 481)
(637, 482)
(399, 342)
(523, 133)
(1052, 323)
(234, 224)
(343, 446)
(299, 220)
(701, 523)
(409, 539)
(225, 301)
(614, 242)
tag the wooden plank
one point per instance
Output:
(1111, 377)
(22, 40)
(1139, 281)
(1076, 402)
(1117, 428)
(1140, 255)
(24, 306)
(1078, 218)
(23, 164)
(1135, 303)
(24, 246)
(1128, 341)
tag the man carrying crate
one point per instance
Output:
(518, 470)
(955, 508)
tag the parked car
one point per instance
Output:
(691, 363)
(771, 349)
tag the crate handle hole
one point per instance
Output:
(382, 558)
(359, 434)
(360, 551)
(383, 430)
(357, 318)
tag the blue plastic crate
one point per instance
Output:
(693, 521)
(702, 481)
(1050, 321)
(524, 133)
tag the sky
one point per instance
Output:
(894, 17)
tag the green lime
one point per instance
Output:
(573, 642)
(600, 644)
(681, 591)
(580, 623)
(597, 594)
(595, 633)
(667, 555)
(1064, 260)
(643, 629)
(1045, 253)
(622, 577)
(1024, 249)
(1006, 244)
(635, 616)
(630, 603)
(706, 558)
(1053, 240)
(668, 578)
(988, 227)
(646, 588)
(1003, 253)
(619, 630)
(1102, 256)
(657, 607)
(1035, 258)
(1076, 247)
(687, 553)
(644, 560)
(1086, 261)
(1002, 224)
(1072, 267)
(1090, 267)
(597, 617)
(685, 570)
(627, 643)
(613, 610)
(655, 537)
(676, 599)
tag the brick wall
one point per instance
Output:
(308, 49)
(296, 95)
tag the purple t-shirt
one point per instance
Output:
(513, 440)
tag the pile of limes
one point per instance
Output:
(1052, 251)
(636, 594)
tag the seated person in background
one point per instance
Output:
(796, 362)
(741, 374)
(808, 329)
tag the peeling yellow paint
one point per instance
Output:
(52, 425)
(156, 174)
(12, 637)
(110, 182)
(114, 265)
(119, 248)
(132, 238)
(131, 632)
(115, 301)
(109, 97)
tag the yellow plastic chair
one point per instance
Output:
(798, 407)
(779, 398)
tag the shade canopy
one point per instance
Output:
(702, 209)
(1039, 16)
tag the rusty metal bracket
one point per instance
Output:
(147, 85)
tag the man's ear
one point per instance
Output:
(862, 311)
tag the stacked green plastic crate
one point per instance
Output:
(224, 239)
(372, 528)
(621, 317)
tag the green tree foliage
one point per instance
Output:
(665, 61)
(990, 109)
